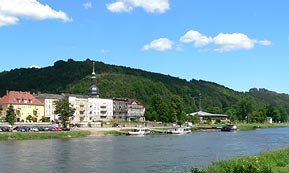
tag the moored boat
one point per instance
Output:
(228, 128)
(138, 131)
(180, 131)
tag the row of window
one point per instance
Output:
(27, 106)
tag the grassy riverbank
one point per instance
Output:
(268, 162)
(253, 126)
(42, 135)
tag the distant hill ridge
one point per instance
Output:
(117, 81)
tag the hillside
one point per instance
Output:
(116, 81)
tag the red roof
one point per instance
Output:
(130, 101)
(19, 97)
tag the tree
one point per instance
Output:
(160, 108)
(44, 119)
(284, 115)
(29, 118)
(177, 110)
(10, 115)
(273, 111)
(64, 110)
(245, 108)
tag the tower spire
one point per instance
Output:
(93, 90)
(93, 73)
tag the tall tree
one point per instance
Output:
(64, 110)
(245, 109)
(10, 115)
(177, 109)
(160, 108)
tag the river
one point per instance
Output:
(128, 154)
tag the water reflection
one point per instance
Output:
(155, 153)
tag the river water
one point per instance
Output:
(128, 154)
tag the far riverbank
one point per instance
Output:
(116, 131)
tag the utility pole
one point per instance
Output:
(200, 102)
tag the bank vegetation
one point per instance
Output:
(267, 162)
(43, 135)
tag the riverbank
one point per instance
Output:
(268, 162)
(253, 126)
(118, 131)
(43, 135)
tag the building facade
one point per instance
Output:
(25, 105)
(120, 109)
(135, 111)
(100, 109)
(80, 104)
(49, 107)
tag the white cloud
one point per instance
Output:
(265, 42)
(12, 10)
(161, 44)
(87, 5)
(223, 42)
(150, 6)
(235, 41)
(197, 38)
(7, 20)
(119, 6)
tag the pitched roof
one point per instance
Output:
(206, 114)
(19, 97)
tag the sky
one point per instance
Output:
(240, 44)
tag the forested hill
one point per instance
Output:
(116, 81)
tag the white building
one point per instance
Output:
(135, 111)
(100, 109)
(49, 107)
(80, 104)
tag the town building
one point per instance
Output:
(49, 107)
(80, 104)
(25, 105)
(100, 109)
(204, 116)
(135, 111)
(120, 109)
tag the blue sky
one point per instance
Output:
(240, 44)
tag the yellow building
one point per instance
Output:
(24, 104)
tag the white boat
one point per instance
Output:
(138, 131)
(180, 131)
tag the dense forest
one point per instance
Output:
(158, 92)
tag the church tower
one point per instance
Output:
(93, 90)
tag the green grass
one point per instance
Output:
(268, 162)
(42, 135)
(252, 126)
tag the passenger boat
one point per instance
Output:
(139, 131)
(228, 128)
(180, 131)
